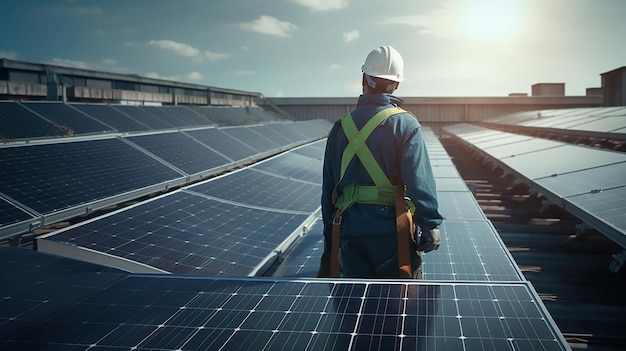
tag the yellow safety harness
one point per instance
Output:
(383, 192)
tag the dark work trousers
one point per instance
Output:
(375, 257)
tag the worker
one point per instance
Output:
(365, 164)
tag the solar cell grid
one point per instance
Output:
(10, 214)
(57, 176)
(110, 310)
(16, 122)
(64, 116)
(264, 190)
(185, 234)
(459, 206)
(563, 159)
(224, 143)
(112, 117)
(585, 181)
(274, 133)
(165, 115)
(187, 115)
(293, 165)
(253, 139)
(181, 151)
(144, 117)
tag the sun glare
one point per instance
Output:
(489, 20)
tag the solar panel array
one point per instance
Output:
(588, 182)
(471, 249)
(259, 220)
(57, 303)
(601, 120)
(31, 120)
(234, 224)
(57, 179)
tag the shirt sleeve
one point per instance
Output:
(328, 184)
(417, 175)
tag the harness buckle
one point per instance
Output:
(337, 220)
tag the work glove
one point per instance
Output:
(429, 240)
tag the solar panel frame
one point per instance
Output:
(20, 123)
(183, 152)
(223, 143)
(144, 117)
(63, 115)
(252, 138)
(110, 116)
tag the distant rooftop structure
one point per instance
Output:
(614, 85)
(548, 89)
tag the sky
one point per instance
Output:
(315, 48)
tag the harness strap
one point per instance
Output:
(405, 232)
(383, 193)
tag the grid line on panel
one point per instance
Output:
(181, 151)
(131, 311)
(187, 234)
(57, 176)
(253, 188)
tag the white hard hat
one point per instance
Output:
(384, 62)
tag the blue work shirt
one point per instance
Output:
(398, 147)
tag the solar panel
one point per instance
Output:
(445, 171)
(224, 143)
(180, 150)
(314, 150)
(11, 215)
(108, 310)
(179, 233)
(252, 138)
(293, 165)
(64, 116)
(585, 181)
(450, 184)
(564, 159)
(276, 134)
(604, 124)
(604, 210)
(110, 116)
(16, 122)
(470, 251)
(525, 147)
(56, 176)
(263, 190)
(144, 117)
(189, 116)
(459, 206)
(166, 116)
(303, 259)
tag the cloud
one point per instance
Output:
(176, 47)
(244, 73)
(105, 65)
(333, 67)
(350, 36)
(322, 5)
(109, 62)
(187, 50)
(11, 55)
(269, 25)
